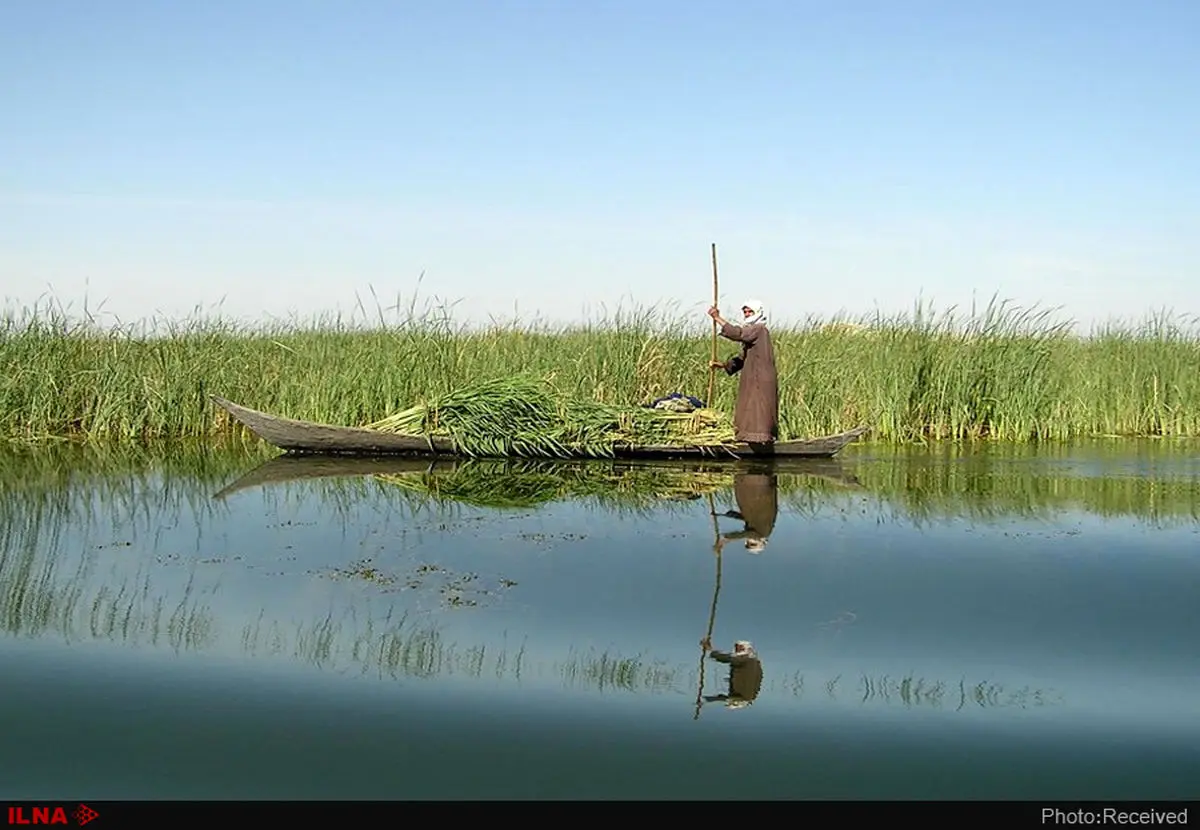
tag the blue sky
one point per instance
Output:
(553, 158)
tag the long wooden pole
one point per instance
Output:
(712, 370)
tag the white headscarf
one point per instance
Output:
(744, 647)
(759, 315)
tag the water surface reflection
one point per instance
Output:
(1046, 597)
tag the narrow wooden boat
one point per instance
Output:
(289, 468)
(305, 437)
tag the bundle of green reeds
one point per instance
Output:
(524, 415)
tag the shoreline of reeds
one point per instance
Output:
(1005, 373)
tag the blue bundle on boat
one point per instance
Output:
(676, 402)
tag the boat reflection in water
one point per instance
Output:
(517, 483)
(529, 482)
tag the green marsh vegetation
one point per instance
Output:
(1005, 373)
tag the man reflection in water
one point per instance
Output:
(757, 497)
(745, 674)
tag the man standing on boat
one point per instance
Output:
(756, 416)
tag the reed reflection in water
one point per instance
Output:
(899, 603)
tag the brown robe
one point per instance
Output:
(756, 416)
(757, 496)
(745, 676)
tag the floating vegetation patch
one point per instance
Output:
(457, 590)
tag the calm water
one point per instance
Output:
(930, 624)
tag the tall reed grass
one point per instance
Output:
(1006, 373)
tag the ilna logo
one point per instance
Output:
(50, 815)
